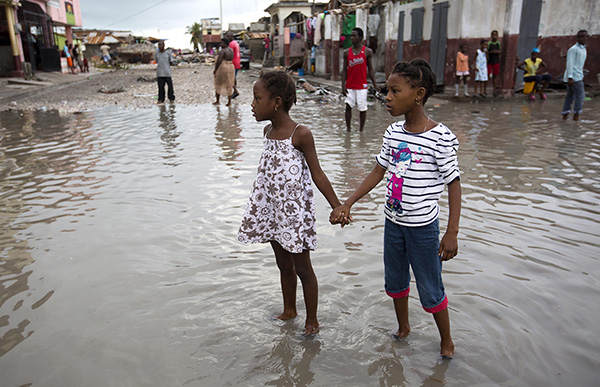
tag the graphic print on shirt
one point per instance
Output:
(400, 163)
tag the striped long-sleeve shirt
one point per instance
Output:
(418, 166)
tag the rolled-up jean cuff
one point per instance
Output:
(401, 294)
(439, 307)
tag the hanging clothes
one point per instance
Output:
(348, 25)
(318, 23)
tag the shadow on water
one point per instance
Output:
(118, 252)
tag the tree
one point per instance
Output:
(196, 31)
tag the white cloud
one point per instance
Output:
(167, 19)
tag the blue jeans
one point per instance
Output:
(419, 248)
(577, 93)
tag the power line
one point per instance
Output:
(135, 14)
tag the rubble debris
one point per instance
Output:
(108, 90)
(146, 79)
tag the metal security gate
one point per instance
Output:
(528, 31)
(400, 51)
(439, 34)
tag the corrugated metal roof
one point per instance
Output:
(101, 38)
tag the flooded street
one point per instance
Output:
(119, 264)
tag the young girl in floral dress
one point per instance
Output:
(281, 209)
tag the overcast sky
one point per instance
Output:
(167, 19)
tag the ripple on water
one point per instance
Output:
(118, 252)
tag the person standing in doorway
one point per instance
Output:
(357, 64)
(163, 60)
(237, 60)
(494, 60)
(574, 77)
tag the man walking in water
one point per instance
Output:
(357, 63)
(573, 77)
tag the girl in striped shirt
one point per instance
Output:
(418, 156)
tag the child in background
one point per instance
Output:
(481, 74)
(418, 156)
(281, 207)
(462, 69)
(494, 52)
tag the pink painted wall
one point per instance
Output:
(60, 14)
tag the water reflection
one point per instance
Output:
(290, 361)
(42, 182)
(228, 131)
(168, 123)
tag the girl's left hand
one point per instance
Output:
(448, 247)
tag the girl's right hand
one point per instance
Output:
(340, 215)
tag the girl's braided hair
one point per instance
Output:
(280, 84)
(419, 74)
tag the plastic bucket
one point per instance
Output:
(301, 72)
(528, 88)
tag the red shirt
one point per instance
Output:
(236, 54)
(356, 75)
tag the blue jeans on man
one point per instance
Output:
(575, 93)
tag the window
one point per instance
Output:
(416, 25)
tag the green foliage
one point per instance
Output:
(196, 31)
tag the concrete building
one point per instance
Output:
(33, 32)
(288, 28)
(211, 33)
(433, 30)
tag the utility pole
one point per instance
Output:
(221, 17)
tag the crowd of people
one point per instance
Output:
(418, 158)
(75, 59)
(535, 75)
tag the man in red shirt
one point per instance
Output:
(357, 63)
(237, 63)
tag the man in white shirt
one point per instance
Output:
(574, 77)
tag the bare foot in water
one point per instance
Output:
(287, 315)
(447, 350)
(311, 329)
(402, 332)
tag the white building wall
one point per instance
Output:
(565, 18)
(393, 11)
(477, 18)
(512, 21)
(361, 19)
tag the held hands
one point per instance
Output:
(448, 246)
(340, 215)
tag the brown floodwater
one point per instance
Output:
(119, 264)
